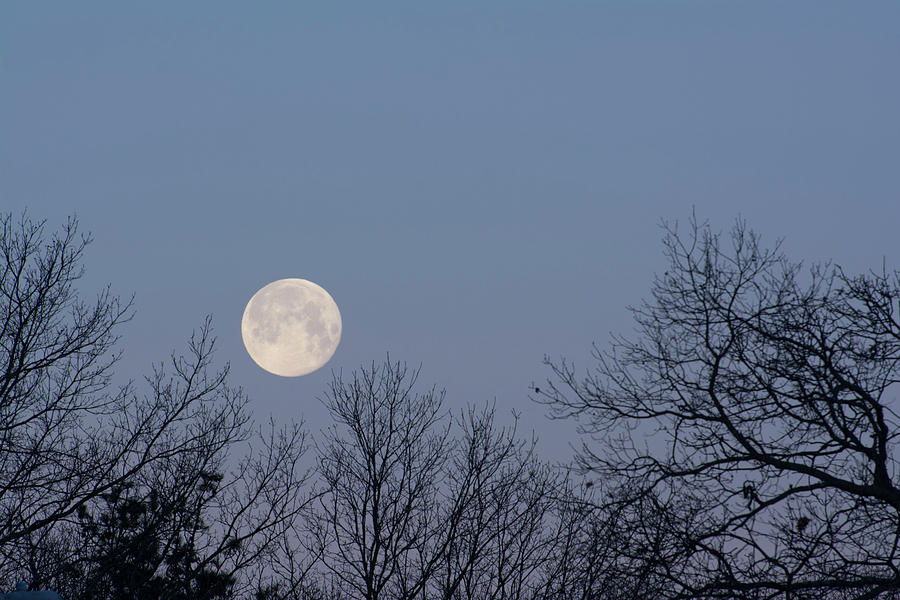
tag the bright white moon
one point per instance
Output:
(291, 327)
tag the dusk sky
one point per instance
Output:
(476, 184)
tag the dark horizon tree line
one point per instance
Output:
(740, 446)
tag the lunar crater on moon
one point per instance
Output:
(291, 327)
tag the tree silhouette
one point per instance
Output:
(414, 507)
(56, 368)
(754, 419)
(131, 485)
(596, 556)
(134, 549)
(504, 513)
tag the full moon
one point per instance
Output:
(291, 327)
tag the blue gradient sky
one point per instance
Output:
(477, 184)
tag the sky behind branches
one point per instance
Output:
(477, 184)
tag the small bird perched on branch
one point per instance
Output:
(749, 493)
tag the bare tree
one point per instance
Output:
(416, 504)
(757, 410)
(504, 513)
(112, 482)
(195, 521)
(55, 451)
(597, 554)
(380, 526)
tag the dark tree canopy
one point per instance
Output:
(755, 413)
